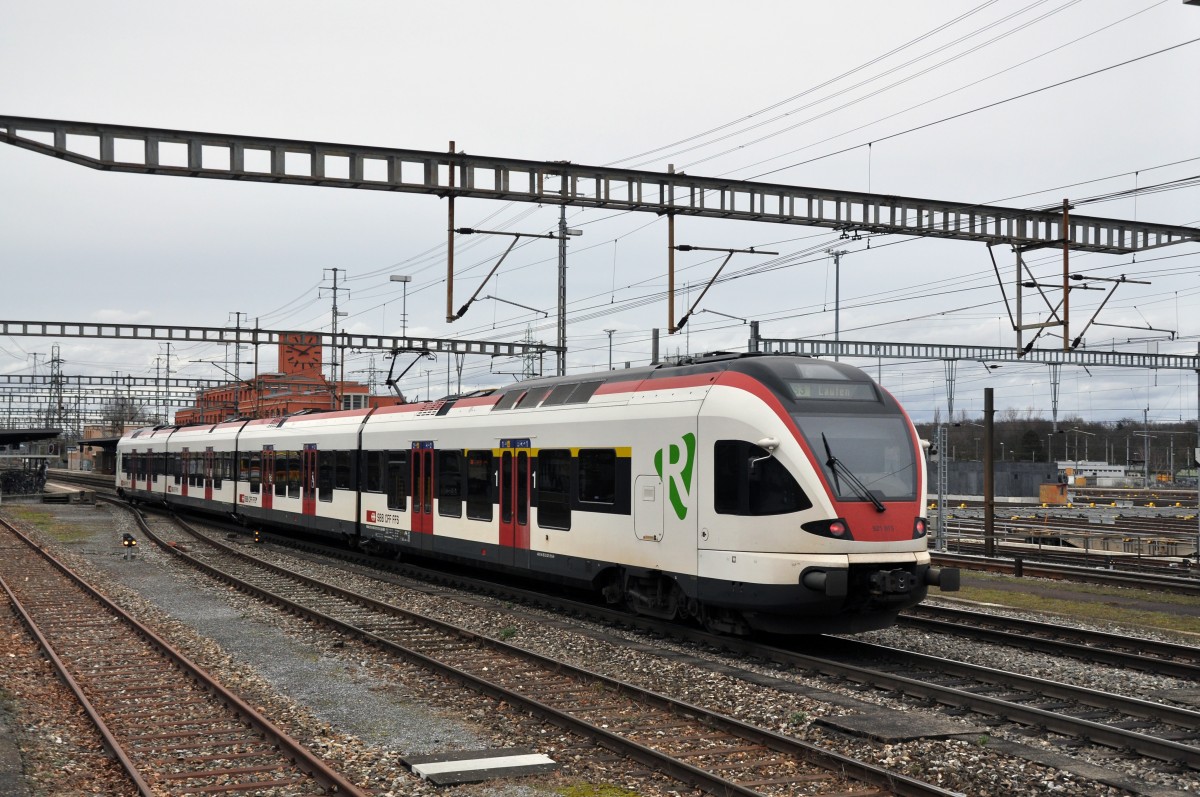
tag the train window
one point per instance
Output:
(293, 472)
(508, 400)
(325, 468)
(597, 476)
(877, 449)
(583, 392)
(243, 468)
(523, 488)
(479, 482)
(281, 473)
(449, 483)
(374, 463)
(560, 394)
(344, 477)
(554, 489)
(218, 469)
(532, 397)
(255, 471)
(747, 480)
(397, 478)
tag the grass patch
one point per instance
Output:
(1080, 601)
(45, 521)
(596, 790)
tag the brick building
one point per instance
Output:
(299, 384)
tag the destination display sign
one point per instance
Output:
(833, 391)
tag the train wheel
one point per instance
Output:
(723, 621)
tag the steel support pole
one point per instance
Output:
(562, 289)
(1066, 302)
(671, 274)
(837, 301)
(942, 484)
(450, 244)
(989, 477)
(1019, 289)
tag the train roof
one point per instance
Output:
(770, 369)
(753, 363)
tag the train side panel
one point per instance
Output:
(201, 467)
(299, 472)
(142, 462)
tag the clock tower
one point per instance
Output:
(300, 354)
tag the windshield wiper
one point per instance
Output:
(836, 465)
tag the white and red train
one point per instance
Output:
(749, 492)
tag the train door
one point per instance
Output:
(513, 484)
(308, 479)
(266, 475)
(208, 473)
(185, 465)
(648, 508)
(422, 487)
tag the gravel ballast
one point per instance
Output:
(356, 705)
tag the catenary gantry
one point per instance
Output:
(452, 174)
(255, 337)
(188, 153)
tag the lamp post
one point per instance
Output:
(404, 278)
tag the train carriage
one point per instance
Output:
(200, 466)
(142, 464)
(769, 493)
(299, 470)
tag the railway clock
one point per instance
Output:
(300, 353)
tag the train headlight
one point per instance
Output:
(837, 528)
(920, 528)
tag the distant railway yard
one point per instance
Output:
(391, 678)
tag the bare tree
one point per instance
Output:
(122, 412)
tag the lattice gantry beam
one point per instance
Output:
(70, 329)
(989, 354)
(117, 381)
(231, 157)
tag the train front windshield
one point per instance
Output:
(878, 449)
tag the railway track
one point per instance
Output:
(172, 727)
(696, 746)
(1080, 717)
(1117, 650)
(1156, 730)
(1179, 585)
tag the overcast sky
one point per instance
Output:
(605, 83)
